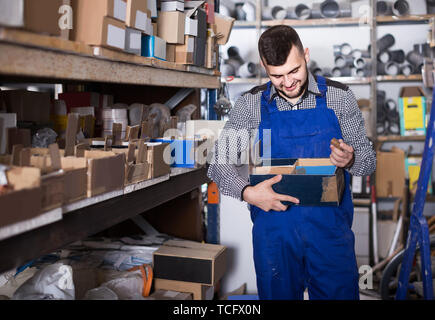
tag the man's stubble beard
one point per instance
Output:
(301, 89)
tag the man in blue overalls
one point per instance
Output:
(299, 247)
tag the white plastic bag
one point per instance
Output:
(53, 282)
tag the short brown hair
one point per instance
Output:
(276, 43)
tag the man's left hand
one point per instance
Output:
(343, 158)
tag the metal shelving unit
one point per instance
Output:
(29, 57)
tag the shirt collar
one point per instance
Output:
(312, 87)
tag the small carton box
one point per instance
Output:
(315, 182)
(170, 26)
(199, 291)
(156, 159)
(184, 53)
(23, 202)
(171, 6)
(100, 163)
(170, 52)
(137, 14)
(412, 110)
(133, 41)
(153, 47)
(412, 167)
(390, 173)
(184, 152)
(44, 16)
(224, 25)
(136, 165)
(100, 23)
(190, 261)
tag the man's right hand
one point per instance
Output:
(263, 196)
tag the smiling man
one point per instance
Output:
(297, 247)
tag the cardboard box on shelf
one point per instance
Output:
(199, 291)
(223, 25)
(24, 201)
(136, 165)
(184, 52)
(99, 164)
(190, 261)
(16, 136)
(170, 26)
(390, 173)
(412, 111)
(412, 167)
(81, 99)
(184, 152)
(315, 182)
(100, 23)
(45, 16)
(155, 158)
(154, 29)
(137, 14)
(204, 129)
(153, 47)
(160, 294)
(169, 6)
(170, 52)
(133, 41)
(29, 106)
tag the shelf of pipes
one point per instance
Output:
(391, 67)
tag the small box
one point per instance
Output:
(224, 26)
(170, 27)
(190, 261)
(184, 52)
(100, 23)
(153, 47)
(156, 160)
(170, 52)
(412, 167)
(390, 173)
(199, 291)
(44, 17)
(24, 202)
(315, 182)
(168, 6)
(152, 6)
(133, 41)
(412, 110)
(191, 27)
(183, 152)
(137, 14)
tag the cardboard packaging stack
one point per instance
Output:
(190, 267)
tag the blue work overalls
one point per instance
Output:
(304, 246)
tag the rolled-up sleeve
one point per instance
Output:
(354, 134)
(228, 149)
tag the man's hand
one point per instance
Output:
(263, 196)
(343, 158)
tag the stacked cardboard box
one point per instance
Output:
(188, 266)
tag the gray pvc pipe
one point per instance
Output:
(407, 69)
(343, 61)
(384, 8)
(278, 13)
(398, 56)
(386, 42)
(357, 53)
(384, 56)
(415, 58)
(300, 12)
(248, 70)
(329, 9)
(392, 68)
(362, 63)
(400, 8)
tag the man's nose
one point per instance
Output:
(288, 80)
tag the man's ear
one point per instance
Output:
(307, 55)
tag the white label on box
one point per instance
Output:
(357, 184)
(120, 10)
(170, 294)
(190, 44)
(135, 41)
(141, 20)
(12, 13)
(159, 48)
(172, 6)
(152, 6)
(9, 121)
(191, 27)
(115, 37)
